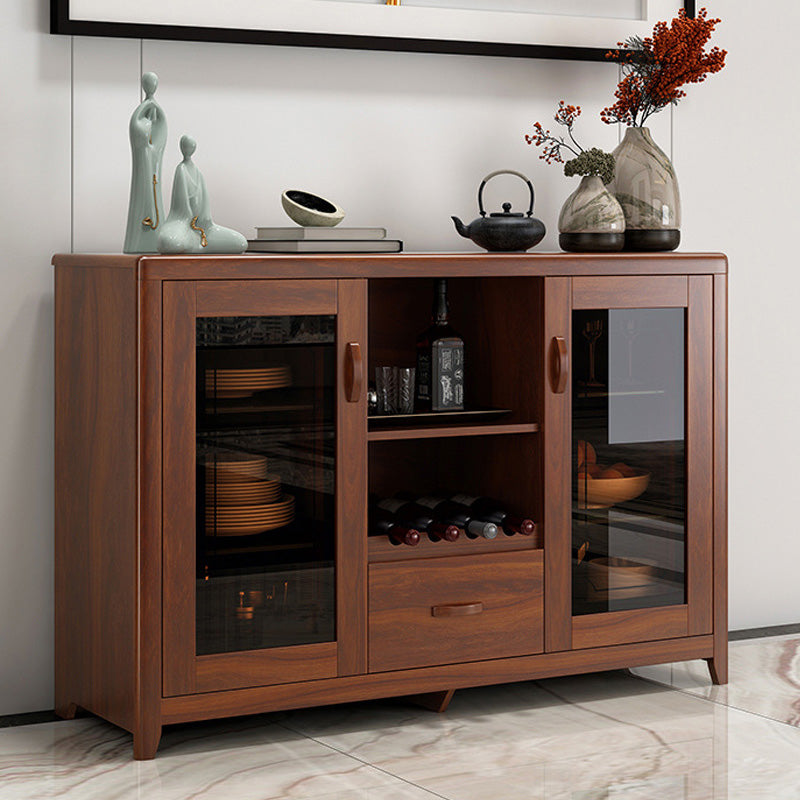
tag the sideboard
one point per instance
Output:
(216, 459)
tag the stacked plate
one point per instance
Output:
(236, 383)
(242, 498)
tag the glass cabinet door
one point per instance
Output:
(630, 394)
(628, 459)
(266, 480)
(264, 529)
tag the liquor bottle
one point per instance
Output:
(382, 523)
(440, 360)
(493, 511)
(460, 516)
(419, 518)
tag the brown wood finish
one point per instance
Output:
(700, 455)
(134, 369)
(147, 732)
(557, 322)
(409, 623)
(179, 491)
(446, 432)
(628, 292)
(351, 490)
(217, 267)
(264, 667)
(382, 549)
(431, 679)
(95, 521)
(225, 298)
(718, 665)
(636, 625)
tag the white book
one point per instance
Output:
(340, 246)
(298, 233)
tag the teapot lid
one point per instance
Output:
(506, 212)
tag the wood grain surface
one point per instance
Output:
(409, 628)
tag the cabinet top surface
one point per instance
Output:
(370, 265)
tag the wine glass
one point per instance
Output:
(592, 331)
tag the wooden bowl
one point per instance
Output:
(620, 578)
(606, 492)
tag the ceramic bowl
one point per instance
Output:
(310, 210)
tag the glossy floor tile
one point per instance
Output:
(764, 678)
(608, 736)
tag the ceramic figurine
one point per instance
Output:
(189, 227)
(148, 135)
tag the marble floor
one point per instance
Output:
(659, 733)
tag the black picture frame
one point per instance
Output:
(62, 23)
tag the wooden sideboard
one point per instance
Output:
(175, 603)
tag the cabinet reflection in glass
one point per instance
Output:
(266, 445)
(629, 459)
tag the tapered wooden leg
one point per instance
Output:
(145, 742)
(433, 701)
(718, 665)
(66, 710)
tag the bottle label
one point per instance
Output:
(391, 504)
(430, 502)
(447, 379)
(464, 499)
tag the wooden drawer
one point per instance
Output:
(447, 610)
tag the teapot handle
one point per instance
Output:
(503, 172)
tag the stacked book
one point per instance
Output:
(297, 239)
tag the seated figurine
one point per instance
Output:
(189, 227)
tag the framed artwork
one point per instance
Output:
(567, 29)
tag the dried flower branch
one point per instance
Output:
(586, 162)
(655, 68)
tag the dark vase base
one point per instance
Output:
(651, 240)
(591, 242)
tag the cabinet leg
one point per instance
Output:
(718, 668)
(145, 742)
(66, 710)
(433, 701)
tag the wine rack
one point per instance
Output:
(381, 549)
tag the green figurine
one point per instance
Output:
(189, 227)
(148, 135)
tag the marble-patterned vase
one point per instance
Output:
(591, 219)
(647, 189)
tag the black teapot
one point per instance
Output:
(503, 231)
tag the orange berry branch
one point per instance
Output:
(655, 68)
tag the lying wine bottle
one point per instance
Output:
(413, 515)
(382, 523)
(493, 511)
(454, 514)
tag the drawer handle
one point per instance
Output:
(458, 610)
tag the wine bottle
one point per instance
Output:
(454, 514)
(493, 511)
(412, 515)
(382, 523)
(440, 360)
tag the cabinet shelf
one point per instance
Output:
(449, 431)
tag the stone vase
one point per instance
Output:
(591, 219)
(647, 189)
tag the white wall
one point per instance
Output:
(400, 140)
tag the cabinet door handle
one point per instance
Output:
(457, 610)
(353, 372)
(559, 364)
